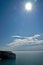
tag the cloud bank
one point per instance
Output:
(20, 41)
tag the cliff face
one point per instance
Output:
(7, 55)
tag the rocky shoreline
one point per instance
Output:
(7, 55)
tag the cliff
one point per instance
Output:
(7, 55)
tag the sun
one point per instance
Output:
(28, 6)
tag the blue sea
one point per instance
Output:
(25, 58)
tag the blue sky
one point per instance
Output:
(17, 25)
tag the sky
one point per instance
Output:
(20, 29)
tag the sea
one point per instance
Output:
(25, 58)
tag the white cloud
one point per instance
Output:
(26, 41)
(16, 36)
(36, 36)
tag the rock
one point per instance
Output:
(7, 55)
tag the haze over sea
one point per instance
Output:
(25, 58)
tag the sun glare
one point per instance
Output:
(28, 6)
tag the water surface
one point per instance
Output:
(25, 58)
